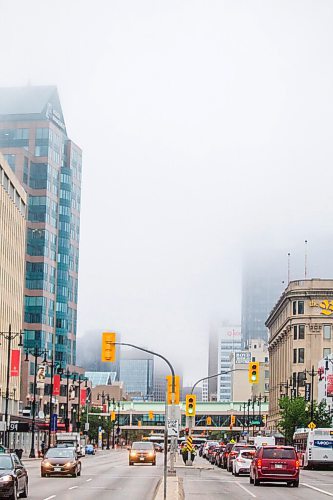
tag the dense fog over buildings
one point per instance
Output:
(207, 139)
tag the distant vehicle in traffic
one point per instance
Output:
(142, 452)
(275, 464)
(13, 477)
(90, 450)
(314, 446)
(62, 462)
(242, 463)
(236, 447)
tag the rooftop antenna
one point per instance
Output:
(288, 268)
(306, 259)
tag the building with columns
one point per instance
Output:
(300, 334)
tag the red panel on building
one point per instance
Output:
(83, 397)
(15, 363)
(56, 385)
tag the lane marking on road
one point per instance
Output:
(318, 489)
(73, 487)
(88, 480)
(49, 498)
(245, 489)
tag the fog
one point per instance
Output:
(206, 129)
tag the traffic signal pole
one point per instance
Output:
(172, 451)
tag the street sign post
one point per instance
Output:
(173, 427)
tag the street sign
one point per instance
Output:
(19, 427)
(86, 426)
(173, 427)
(312, 425)
(255, 422)
(308, 392)
(54, 422)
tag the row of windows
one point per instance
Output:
(299, 332)
(9, 187)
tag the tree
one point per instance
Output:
(321, 414)
(293, 414)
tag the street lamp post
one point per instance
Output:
(36, 353)
(9, 336)
(313, 373)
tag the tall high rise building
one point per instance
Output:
(12, 251)
(262, 284)
(137, 373)
(34, 140)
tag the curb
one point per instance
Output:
(173, 489)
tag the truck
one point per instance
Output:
(264, 441)
(71, 440)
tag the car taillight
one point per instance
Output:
(226, 454)
(259, 463)
(296, 464)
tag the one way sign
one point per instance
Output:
(173, 427)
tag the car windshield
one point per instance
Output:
(6, 462)
(59, 453)
(142, 446)
(279, 453)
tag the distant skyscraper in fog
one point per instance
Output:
(262, 284)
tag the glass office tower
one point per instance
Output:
(33, 139)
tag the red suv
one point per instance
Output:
(275, 463)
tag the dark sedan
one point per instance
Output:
(62, 462)
(13, 477)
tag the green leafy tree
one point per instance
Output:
(321, 414)
(293, 414)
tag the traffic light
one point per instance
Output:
(191, 400)
(209, 421)
(169, 389)
(139, 423)
(232, 420)
(151, 415)
(108, 347)
(113, 416)
(253, 372)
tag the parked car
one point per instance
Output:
(212, 454)
(142, 452)
(234, 452)
(219, 456)
(206, 446)
(13, 477)
(225, 455)
(61, 462)
(242, 463)
(275, 463)
(90, 450)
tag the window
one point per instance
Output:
(295, 356)
(294, 307)
(301, 330)
(253, 358)
(300, 308)
(301, 379)
(326, 352)
(301, 355)
(327, 332)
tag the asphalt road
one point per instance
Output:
(211, 484)
(104, 476)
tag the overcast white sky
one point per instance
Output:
(204, 125)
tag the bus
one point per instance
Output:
(315, 447)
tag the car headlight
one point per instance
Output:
(151, 454)
(6, 479)
(133, 453)
(69, 464)
(46, 464)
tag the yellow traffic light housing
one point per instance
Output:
(108, 347)
(253, 372)
(191, 400)
(232, 420)
(113, 416)
(177, 389)
(151, 415)
(209, 421)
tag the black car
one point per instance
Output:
(13, 477)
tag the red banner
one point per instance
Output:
(83, 396)
(329, 385)
(15, 363)
(56, 385)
